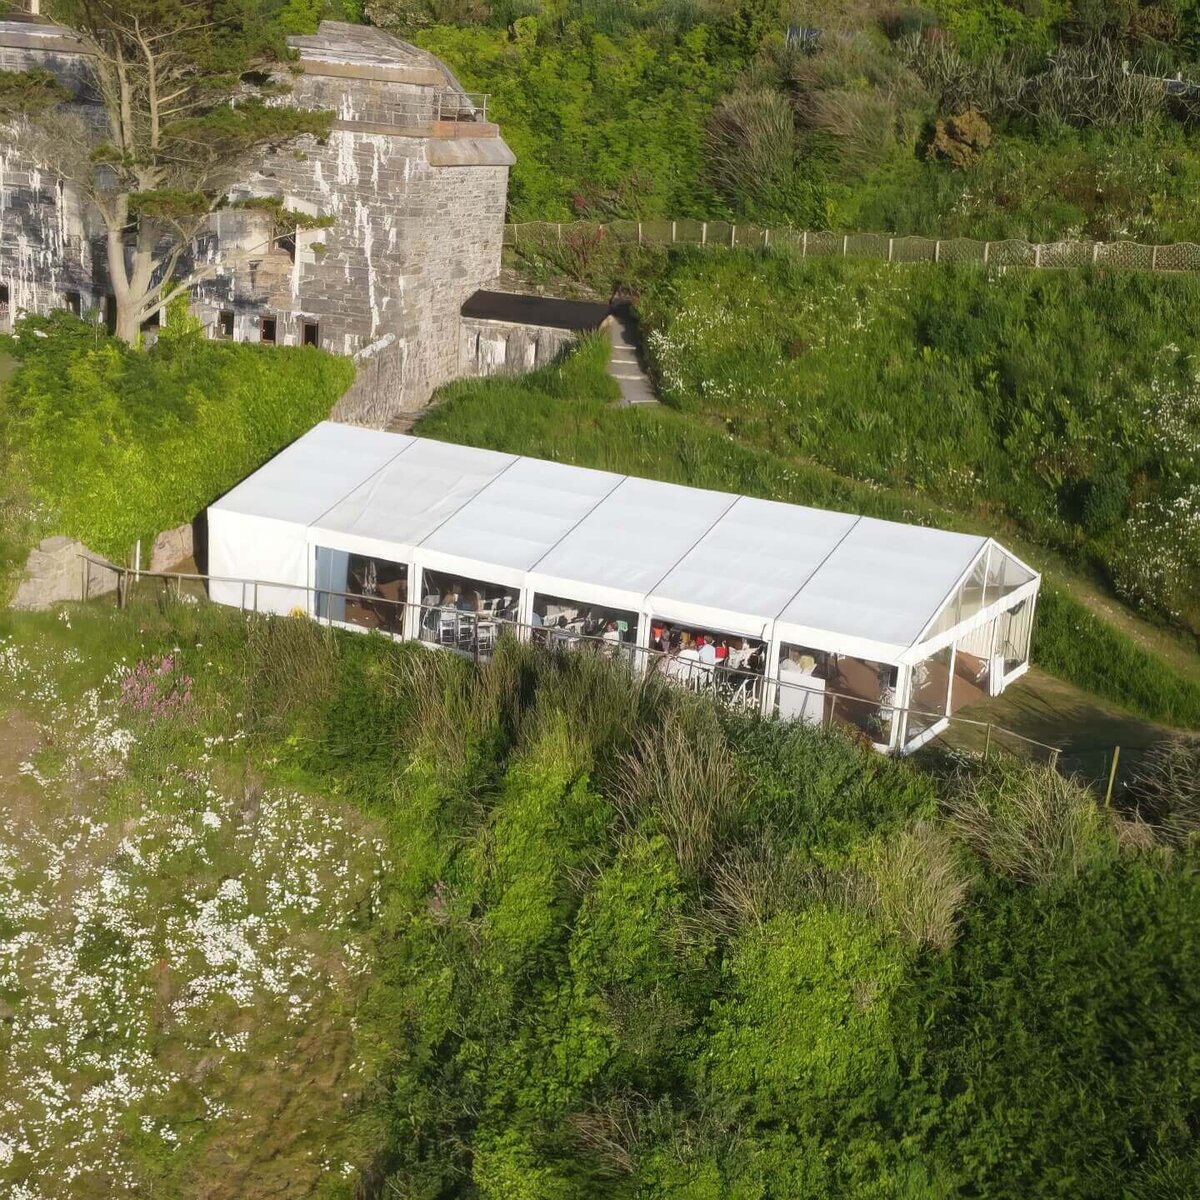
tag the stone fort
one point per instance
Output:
(413, 176)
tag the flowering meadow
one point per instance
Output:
(289, 911)
(180, 941)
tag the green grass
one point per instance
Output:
(109, 444)
(565, 413)
(625, 944)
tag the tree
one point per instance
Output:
(180, 103)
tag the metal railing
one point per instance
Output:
(419, 110)
(1011, 252)
(475, 635)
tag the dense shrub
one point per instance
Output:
(114, 444)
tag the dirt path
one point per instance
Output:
(1086, 729)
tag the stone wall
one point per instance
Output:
(417, 207)
(500, 347)
(46, 250)
(57, 570)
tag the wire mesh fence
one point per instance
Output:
(545, 236)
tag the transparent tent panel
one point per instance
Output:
(1013, 633)
(929, 697)
(996, 575)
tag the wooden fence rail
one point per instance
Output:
(582, 236)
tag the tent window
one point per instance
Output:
(266, 330)
(465, 614)
(312, 333)
(1005, 575)
(930, 693)
(705, 658)
(558, 621)
(357, 589)
(818, 687)
(225, 323)
(1013, 636)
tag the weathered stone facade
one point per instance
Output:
(413, 177)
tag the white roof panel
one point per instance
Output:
(884, 581)
(754, 559)
(415, 492)
(312, 474)
(684, 553)
(522, 514)
(631, 539)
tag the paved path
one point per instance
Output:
(625, 366)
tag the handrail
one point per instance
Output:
(698, 676)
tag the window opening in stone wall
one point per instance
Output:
(288, 245)
(266, 329)
(74, 303)
(110, 313)
(3, 304)
(153, 321)
(312, 333)
(225, 323)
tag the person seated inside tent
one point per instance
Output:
(702, 658)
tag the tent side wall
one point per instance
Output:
(245, 551)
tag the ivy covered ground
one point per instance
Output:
(286, 911)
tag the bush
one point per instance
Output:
(118, 444)
(1031, 824)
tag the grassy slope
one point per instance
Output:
(108, 444)
(565, 413)
(627, 947)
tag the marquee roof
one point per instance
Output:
(731, 563)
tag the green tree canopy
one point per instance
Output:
(182, 89)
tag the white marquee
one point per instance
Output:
(783, 574)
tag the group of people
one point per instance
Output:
(598, 629)
(700, 658)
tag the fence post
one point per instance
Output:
(639, 233)
(937, 250)
(1154, 257)
(1054, 759)
(833, 710)
(704, 233)
(845, 244)
(1112, 776)
(986, 248)
(1095, 252)
(1037, 255)
(732, 236)
(672, 233)
(891, 248)
(804, 245)
(987, 743)
(256, 596)
(560, 233)
(766, 238)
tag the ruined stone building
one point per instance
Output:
(413, 175)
